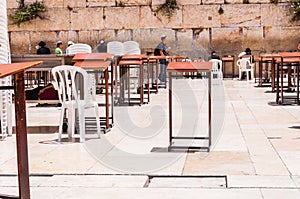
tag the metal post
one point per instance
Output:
(170, 109)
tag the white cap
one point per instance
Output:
(59, 42)
(163, 37)
(70, 43)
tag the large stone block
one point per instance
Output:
(212, 2)
(183, 41)
(102, 3)
(11, 4)
(290, 38)
(240, 15)
(89, 37)
(123, 35)
(54, 4)
(227, 40)
(157, 2)
(233, 1)
(106, 35)
(151, 18)
(19, 42)
(57, 19)
(75, 4)
(272, 39)
(87, 19)
(121, 17)
(189, 2)
(133, 2)
(201, 41)
(253, 38)
(260, 1)
(201, 16)
(270, 15)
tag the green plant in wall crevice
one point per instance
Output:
(168, 8)
(27, 12)
(295, 9)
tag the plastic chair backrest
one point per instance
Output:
(244, 64)
(216, 65)
(79, 48)
(130, 46)
(116, 48)
(68, 89)
(136, 51)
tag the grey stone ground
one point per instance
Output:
(257, 154)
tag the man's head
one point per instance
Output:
(59, 43)
(42, 44)
(248, 51)
(163, 38)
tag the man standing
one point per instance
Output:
(163, 51)
(42, 49)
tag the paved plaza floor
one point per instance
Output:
(255, 151)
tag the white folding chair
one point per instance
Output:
(72, 100)
(245, 66)
(79, 48)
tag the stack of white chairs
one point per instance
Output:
(72, 98)
(246, 66)
(216, 72)
(5, 95)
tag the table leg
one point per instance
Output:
(106, 100)
(148, 73)
(281, 78)
(142, 83)
(112, 93)
(273, 74)
(277, 83)
(297, 68)
(260, 65)
(209, 111)
(21, 135)
(233, 69)
(170, 109)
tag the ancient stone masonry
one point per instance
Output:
(258, 24)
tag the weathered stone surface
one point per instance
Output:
(270, 15)
(49, 37)
(227, 40)
(121, 17)
(53, 22)
(124, 35)
(241, 15)
(79, 21)
(272, 38)
(183, 42)
(25, 26)
(11, 4)
(149, 18)
(233, 1)
(133, 2)
(291, 38)
(95, 3)
(189, 2)
(54, 4)
(89, 37)
(253, 38)
(19, 42)
(75, 4)
(151, 37)
(201, 16)
(201, 42)
(212, 2)
(158, 2)
(259, 1)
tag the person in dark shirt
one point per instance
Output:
(214, 55)
(43, 49)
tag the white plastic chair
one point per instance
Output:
(79, 48)
(245, 65)
(216, 72)
(116, 48)
(71, 98)
(130, 47)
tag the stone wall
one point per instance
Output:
(195, 28)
